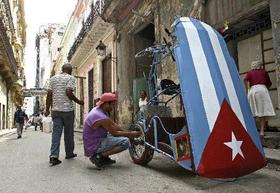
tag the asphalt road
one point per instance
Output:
(24, 168)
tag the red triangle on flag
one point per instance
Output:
(230, 152)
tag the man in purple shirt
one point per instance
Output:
(102, 137)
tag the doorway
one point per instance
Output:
(145, 37)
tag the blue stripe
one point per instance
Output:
(212, 62)
(191, 94)
(241, 95)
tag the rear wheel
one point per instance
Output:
(139, 152)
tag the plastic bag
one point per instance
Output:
(47, 124)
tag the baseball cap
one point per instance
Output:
(106, 97)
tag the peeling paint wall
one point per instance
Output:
(167, 11)
(125, 75)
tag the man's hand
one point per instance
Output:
(135, 134)
(81, 102)
(47, 112)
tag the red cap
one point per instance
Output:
(106, 97)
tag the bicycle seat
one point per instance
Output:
(168, 86)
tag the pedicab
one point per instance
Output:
(216, 137)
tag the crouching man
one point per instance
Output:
(101, 136)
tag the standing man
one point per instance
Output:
(36, 121)
(102, 137)
(19, 119)
(60, 97)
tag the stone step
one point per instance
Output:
(271, 140)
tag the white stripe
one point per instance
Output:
(209, 95)
(234, 102)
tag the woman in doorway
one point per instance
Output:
(257, 83)
(142, 102)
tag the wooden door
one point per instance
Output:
(90, 90)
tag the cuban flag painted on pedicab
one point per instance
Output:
(223, 136)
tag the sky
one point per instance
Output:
(37, 13)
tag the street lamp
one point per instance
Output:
(101, 49)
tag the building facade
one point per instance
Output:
(47, 42)
(247, 26)
(123, 28)
(12, 44)
(91, 55)
(249, 37)
(71, 31)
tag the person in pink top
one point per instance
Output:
(101, 136)
(257, 82)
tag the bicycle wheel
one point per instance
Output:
(139, 152)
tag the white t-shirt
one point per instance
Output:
(58, 85)
(142, 104)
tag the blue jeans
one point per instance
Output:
(110, 142)
(62, 120)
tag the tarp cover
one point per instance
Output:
(224, 139)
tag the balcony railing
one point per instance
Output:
(7, 32)
(96, 10)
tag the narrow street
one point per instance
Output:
(24, 169)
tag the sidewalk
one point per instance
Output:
(7, 131)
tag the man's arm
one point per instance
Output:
(48, 102)
(246, 84)
(115, 130)
(71, 96)
(15, 118)
(26, 117)
(117, 127)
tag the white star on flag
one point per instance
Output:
(235, 146)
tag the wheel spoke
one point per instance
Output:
(138, 150)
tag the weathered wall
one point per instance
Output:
(167, 11)
(275, 19)
(125, 75)
(90, 63)
(252, 49)
(219, 11)
(161, 13)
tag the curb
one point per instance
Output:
(8, 132)
(273, 161)
(272, 155)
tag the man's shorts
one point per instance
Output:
(110, 142)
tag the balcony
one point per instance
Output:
(8, 66)
(94, 28)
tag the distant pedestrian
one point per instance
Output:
(19, 119)
(257, 82)
(40, 120)
(60, 98)
(101, 136)
(36, 121)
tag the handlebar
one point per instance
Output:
(151, 50)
